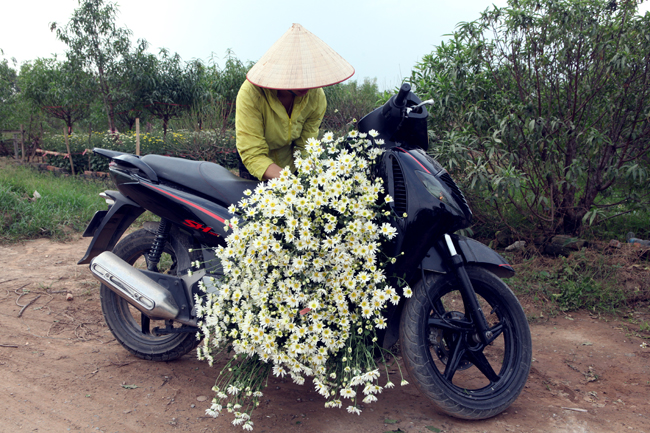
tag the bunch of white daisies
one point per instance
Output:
(304, 287)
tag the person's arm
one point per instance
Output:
(312, 123)
(272, 172)
(249, 125)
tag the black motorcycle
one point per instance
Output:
(464, 336)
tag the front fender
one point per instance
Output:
(476, 253)
(437, 260)
(108, 226)
(473, 253)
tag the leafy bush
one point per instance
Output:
(542, 111)
(214, 146)
(211, 146)
(348, 101)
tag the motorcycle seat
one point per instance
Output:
(208, 178)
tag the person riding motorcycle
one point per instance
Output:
(281, 104)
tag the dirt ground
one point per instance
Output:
(63, 371)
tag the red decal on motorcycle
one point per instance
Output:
(195, 206)
(199, 226)
(193, 224)
(414, 159)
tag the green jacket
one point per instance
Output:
(265, 132)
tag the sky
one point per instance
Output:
(381, 39)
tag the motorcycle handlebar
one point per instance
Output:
(401, 96)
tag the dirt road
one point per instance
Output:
(62, 371)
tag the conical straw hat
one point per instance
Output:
(299, 60)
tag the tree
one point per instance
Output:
(128, 110)
(8, 92)
(543, 108)
(132, 105)
(348, 101)
(58, 88)
(228, 80)
(167, 85)
(98, 46)
(222, 85)
(15, 108)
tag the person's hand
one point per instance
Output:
(272, 172)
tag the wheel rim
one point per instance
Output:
(466, 366)
(137, 324)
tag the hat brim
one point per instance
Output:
(299, 60)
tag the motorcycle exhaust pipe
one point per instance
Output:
(136, 288)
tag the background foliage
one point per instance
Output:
(60, 89)
(98, 47)
(8, 92)
(348, 101)
(543, 111)
(216, 146)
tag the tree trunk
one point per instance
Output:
(108, 102)
(572, 221)
(111, 118)
(110, 111)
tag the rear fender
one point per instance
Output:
(108, 226)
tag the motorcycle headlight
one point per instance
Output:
(438, 190)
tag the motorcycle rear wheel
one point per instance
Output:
(132, 329)
(444, 357)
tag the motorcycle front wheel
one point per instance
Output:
(132, 329)
(444, 356)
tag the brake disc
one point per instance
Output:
(440, 340)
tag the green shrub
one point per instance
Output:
(214, 146)
(348, 101)
(541, 108)
(211, 146)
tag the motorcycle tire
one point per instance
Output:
(132, 329)
(447, 361)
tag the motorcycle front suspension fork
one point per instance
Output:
(468, 294)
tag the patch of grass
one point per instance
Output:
(595, 279)
(66, 204)
(644, 327)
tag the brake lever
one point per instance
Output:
(415, 107)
